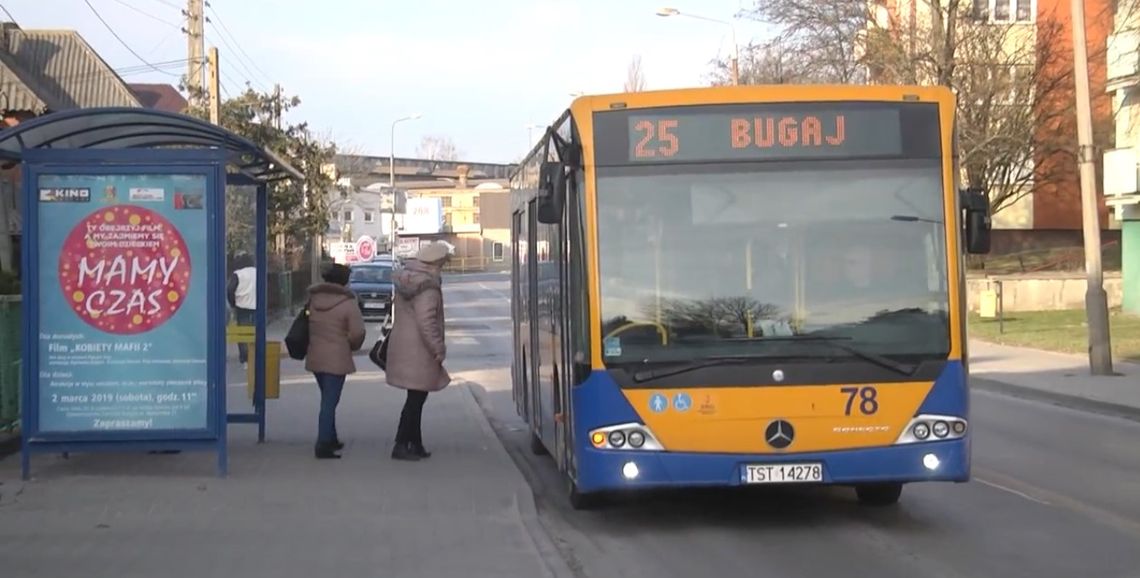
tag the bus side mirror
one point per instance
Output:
(977, 220)
(551, 190)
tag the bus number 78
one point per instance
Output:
(868, 399)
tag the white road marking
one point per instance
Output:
(1012, 491)
(500, 294)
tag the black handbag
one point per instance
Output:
(297, 340)
(379, 352)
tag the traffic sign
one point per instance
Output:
(365, 248)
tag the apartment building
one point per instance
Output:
(1122, 163)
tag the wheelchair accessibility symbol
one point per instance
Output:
(682, 402)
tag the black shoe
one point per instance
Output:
(419, 450)
(405, 452)
(337, 444)
(326, 452)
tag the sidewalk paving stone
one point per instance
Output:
(466, 511)
(1057, 377)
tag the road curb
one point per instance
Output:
(1060, 399)
(524, 495)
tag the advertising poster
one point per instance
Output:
(123, 303)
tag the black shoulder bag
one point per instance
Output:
(297, 340)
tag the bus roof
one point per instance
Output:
(761, 93)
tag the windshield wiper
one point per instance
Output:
(648, 374)
(714, 361)
(834, 341)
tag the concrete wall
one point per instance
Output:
(1043, 292)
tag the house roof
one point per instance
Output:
(17, 95)
(162, 97)
(63, 70)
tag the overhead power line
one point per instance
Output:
(149, 15)
(123, 42)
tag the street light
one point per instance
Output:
(530, 133)
(392, 182)
(666, 12)
(392, 215)
(1096, 300)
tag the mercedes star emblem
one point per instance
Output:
(779, 434)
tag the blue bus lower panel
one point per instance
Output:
(603, 469)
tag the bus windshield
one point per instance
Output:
(701, 260)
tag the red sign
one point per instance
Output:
(124, 270)
(365, 248)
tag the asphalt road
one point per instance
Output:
(1055, 492)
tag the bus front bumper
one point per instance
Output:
(605, 470)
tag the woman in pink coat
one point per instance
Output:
(417, 349)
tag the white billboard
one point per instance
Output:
(424, 216)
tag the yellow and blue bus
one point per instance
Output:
(746, 285)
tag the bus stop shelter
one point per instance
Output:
(123, 267)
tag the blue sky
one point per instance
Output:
(479, 72)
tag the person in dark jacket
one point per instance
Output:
(336, 329)
(417, 348)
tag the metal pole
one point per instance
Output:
(392, 190)
(735, 57)
(392, 217)
(1096, 300)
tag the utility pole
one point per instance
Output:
(215, 88)
(280, 239)
(1096, 300)
(277, 106)
(195, 45)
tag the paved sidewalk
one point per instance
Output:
(465, 512)
(1055, 377)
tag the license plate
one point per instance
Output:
(374, 305)
(783, 473)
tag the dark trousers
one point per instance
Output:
(243, 317)
(331, 388)
(409, 430)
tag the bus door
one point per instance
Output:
(548, 327)
(520, 306)
(534, 295)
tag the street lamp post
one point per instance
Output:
(392, 183)
(392, 215)
(666, 12)
(1096, 300)
(530, 133)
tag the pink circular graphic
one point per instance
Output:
(365, 248)
(124, 270)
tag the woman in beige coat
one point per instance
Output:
(336, 329)
(417, 348)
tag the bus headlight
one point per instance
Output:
(932, 428)
(626, 437)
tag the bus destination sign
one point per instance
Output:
(767, 132)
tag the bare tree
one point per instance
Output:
(634, 77)
(1013, 82)
(437, 148)
(824, 36)
(769, 63)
